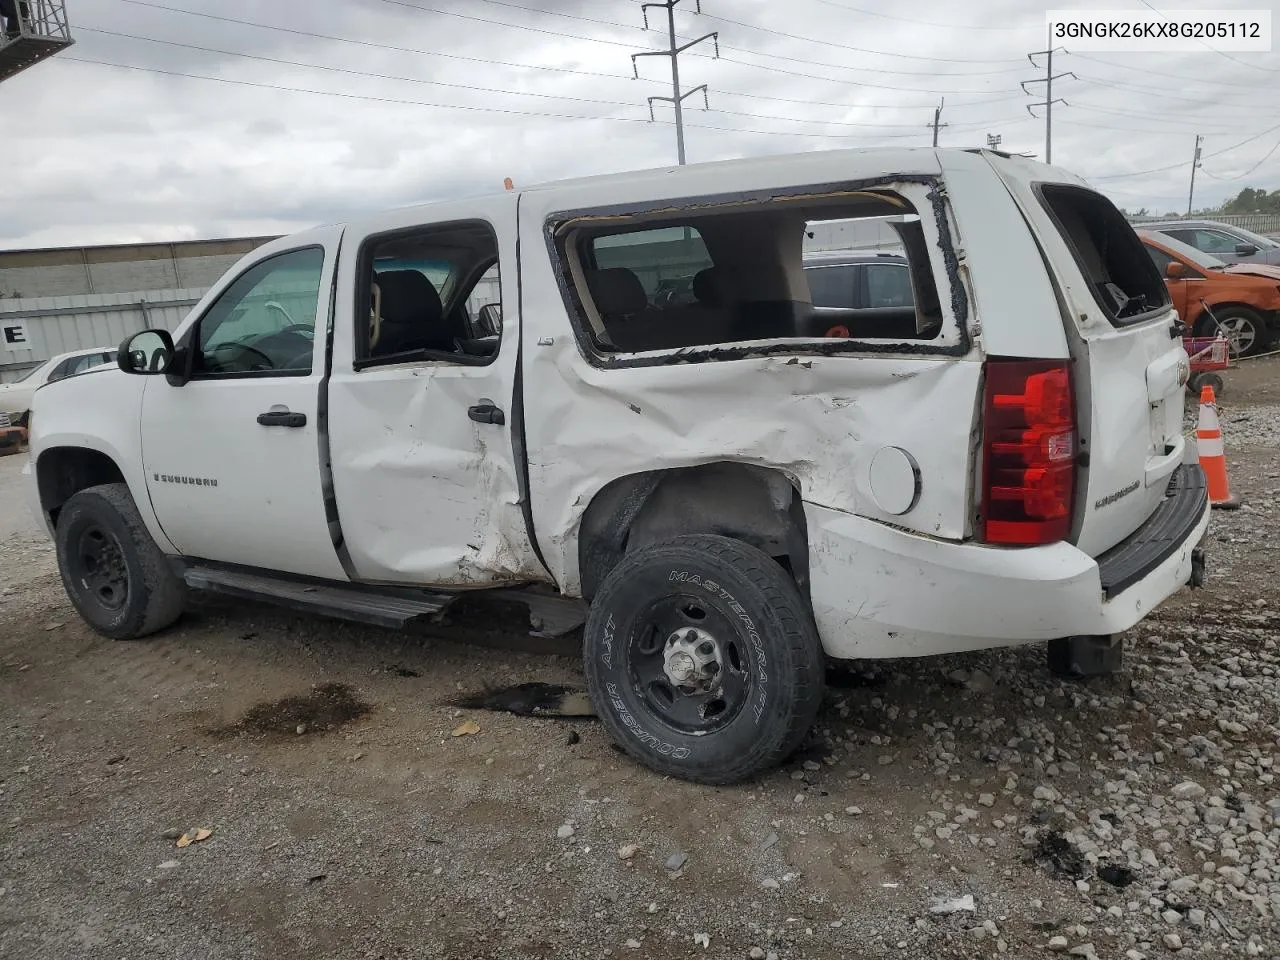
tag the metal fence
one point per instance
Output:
(1267, 224)
(35, 329)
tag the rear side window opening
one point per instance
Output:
(1121, 275)
(719, 276)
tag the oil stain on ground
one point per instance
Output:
(531, 700)
(326, 707)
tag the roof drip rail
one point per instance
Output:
(38, 30)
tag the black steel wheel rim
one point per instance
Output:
(98, 566)
(701, 707)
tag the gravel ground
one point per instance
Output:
(956, 807)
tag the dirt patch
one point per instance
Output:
(326, 708)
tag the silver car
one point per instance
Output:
(1230, 244)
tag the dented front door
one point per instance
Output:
(424, 469)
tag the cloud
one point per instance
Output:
(470, 92)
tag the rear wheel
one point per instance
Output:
(114, 574)
(1245, 330)
(702, 659)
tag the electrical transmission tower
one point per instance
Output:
(1048, 101)
(677, 98)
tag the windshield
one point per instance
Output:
(1185, 251)
(34, 370)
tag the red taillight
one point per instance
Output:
(1028, 451)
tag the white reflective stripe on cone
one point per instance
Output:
(1211, 448)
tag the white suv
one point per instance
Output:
(728, 489)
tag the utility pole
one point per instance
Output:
(1195, 162)
(677, 98)
(937, 117)
(1048, 101)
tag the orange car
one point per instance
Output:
(1243, 298)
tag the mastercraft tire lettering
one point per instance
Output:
(702, 659)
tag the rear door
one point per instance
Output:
(1131, 369)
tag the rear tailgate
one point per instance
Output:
(1130, 368)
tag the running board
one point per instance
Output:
(330, 600)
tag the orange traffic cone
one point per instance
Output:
(1213, 458)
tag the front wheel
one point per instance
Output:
(114, 574)
(702, 659)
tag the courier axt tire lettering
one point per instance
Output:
(114, 574)
(702, 659)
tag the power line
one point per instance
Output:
(476, 88)
(550, 69)
(380, 46)
(1175, 166)
(1156, 73)
(1157, 92)
(457, 106)
(1241, 176)
(845, 46)
(810, 61)
(915, 21)
(1221, 53)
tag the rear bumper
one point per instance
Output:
(882, 592)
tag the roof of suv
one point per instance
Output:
(1161, 225)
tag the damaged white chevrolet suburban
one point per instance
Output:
(652, 416)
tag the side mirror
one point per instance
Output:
(148, 352)
(1245, 249)
(1175, 271)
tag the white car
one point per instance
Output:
(16, 397)
(728, 490)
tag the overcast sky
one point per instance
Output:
(100, 154)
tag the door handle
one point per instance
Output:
(486, 412)
(282, 418)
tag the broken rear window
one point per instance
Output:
(1121, 275)
(734, 273)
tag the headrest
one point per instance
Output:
(408, 297)
(617, 291)
(708, 287)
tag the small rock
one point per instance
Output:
(978, 933)
(954, 905)
(812, 765)
(702, 940)
(756, 954)
(300, 729)
(1045, 793)
(168, 865)
(1187, 790)
(1082, 886)
(676, 861)
(1084, 950)
(770, 884)
(1172, 941)
(1058, 944)
(173, 833)
(1233, 876)
(769, 841)
(1184, 884)
(628, 851)
(979, 682)
(853, 811)
(652, 908)
(986, 799)
(1196, 918)
(565, 832)
(1171, 917)
(633, 944)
